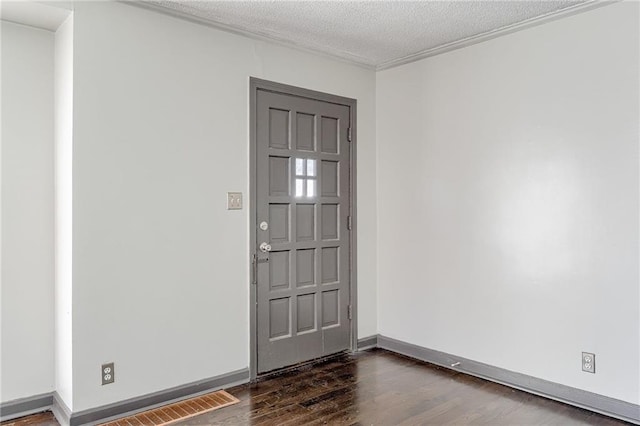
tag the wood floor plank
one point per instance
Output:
(377, 387)
(40, 419)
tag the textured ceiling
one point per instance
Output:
(372, 33)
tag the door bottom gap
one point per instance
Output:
(301, 366)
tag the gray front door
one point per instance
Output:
(302, 235)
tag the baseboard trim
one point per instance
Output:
(24, 406)
(367, 342)
(61, 412)
(142, 403)
(577, 397)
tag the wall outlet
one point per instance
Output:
(588, 362)
(234, 200)
(108, 374)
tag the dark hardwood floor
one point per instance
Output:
(377, 387)
(41, 419)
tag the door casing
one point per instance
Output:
(256, 84)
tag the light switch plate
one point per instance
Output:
(234, 200)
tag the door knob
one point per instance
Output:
(265, 248)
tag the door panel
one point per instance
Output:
(302, 183)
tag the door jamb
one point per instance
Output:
(256, 84)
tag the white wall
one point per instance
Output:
(517, 242)
(63, 210)
(160, 267)
(517, 159)
(27, 212)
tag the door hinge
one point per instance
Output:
(349, 223)
(349, 136)
(254, 264)
(349, 312)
